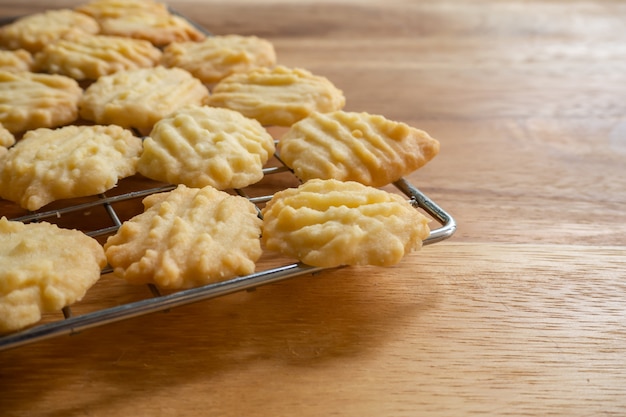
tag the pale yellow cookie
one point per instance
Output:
(186, 238)
(6, 138)
(72, 161)
(44, 268)
(18, 60)
(88, 57)
(201, 145)
(33, 32)
(156, 28)
(330, 223)
(139, 98)
(219, 56)
(102, 9)
(30, 100)
(277, 96)
(352, 146)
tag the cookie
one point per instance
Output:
(186, 238)
(220, 56)
(72, 161)
(88, 57)
(329, 223)
(44, 268)
(141, 19)
(200, 145)
(31, 100)
(35, 31)
(159, 29)
(350, 146)
(17, 61)
(103, 9)
(139, 98)
(6, 138)
(277, 96)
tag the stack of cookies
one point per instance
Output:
(111, 89)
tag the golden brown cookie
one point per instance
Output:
(186, 238)
(219, 56)
(35, 31)
(277, 96)
(17, 61)
(88, 57)
(330, 223)
(72, 161)
(139, 98)
(102, 9)
(350, 146)
(156, 28)
(200, 145)
(44, 268)
(30, 100)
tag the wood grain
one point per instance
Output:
(522, 312)
(521, 329)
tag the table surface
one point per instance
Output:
(521, 312)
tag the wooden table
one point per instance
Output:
(521, 312)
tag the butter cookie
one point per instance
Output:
(30, 100)
(201, 145)
(217, 57)
(89, 57)
(351, 146)
(16, 60)
(139, 98)
(72, 161)
(277, 96)
(44, 268)
(330, 223)
(186, 238)
(34, 31)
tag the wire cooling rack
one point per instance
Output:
(72, 324)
